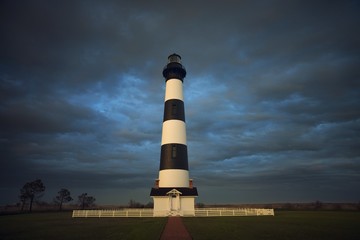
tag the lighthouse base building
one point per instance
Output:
(173, 193)
(174, 201)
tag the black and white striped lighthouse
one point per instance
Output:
(173, 192)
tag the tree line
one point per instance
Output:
(32, 191)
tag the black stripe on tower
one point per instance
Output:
(174, 70)
(174, 156)
(174, 110)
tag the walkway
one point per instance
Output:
(175, 230)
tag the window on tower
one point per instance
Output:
(173, 109)
(173, 152)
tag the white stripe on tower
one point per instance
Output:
(174, 171)
(173, 89)
(173, 131)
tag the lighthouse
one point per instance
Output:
(174, 193)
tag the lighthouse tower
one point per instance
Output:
(173, 193)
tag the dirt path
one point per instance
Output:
(175, 230)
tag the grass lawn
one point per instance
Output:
(62, 226)
(284, 225)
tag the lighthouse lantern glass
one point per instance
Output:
(174, 58)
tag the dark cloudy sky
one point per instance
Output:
(272, 97)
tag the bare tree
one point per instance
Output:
(149, 205)
(85, 200)
(31, 191)
(200, 205)
(318, 205)
(23, 199)
(135, 204)
(63, 197)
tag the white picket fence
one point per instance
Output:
(133, 212)
(235, 212)
(200, 212)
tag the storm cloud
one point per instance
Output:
(271, 97)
